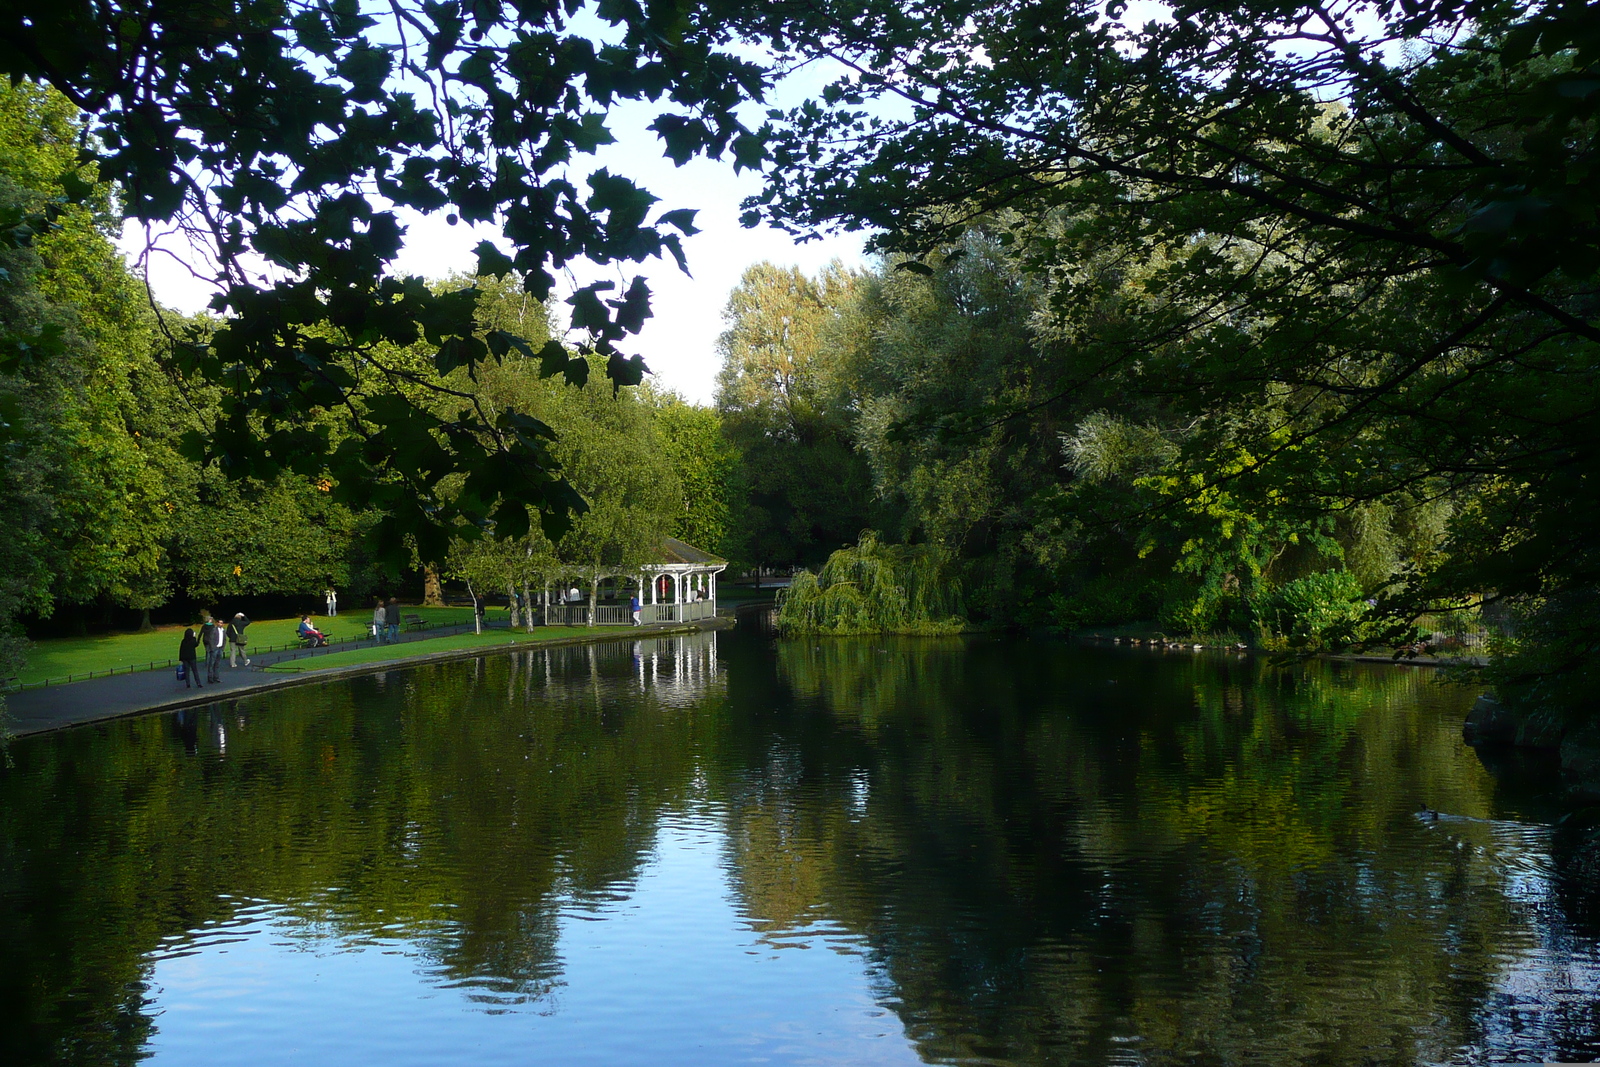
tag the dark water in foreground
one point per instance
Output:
(720, 850)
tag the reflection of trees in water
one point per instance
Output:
(1047, 852)
(869, 676)
(456, 806)
(1066, 857)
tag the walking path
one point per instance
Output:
(34, 711)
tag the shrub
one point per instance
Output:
(1322, 610)
(874, 588)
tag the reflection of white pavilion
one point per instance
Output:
(680, 585)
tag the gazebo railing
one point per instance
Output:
(691, 612)
(578, 615)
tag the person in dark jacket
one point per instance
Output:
(186, 653)
(213, 638)
(237, 641)
(392, 615)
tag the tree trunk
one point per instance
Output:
(477, 616)
(527, 608)
(432, 594)
(144, 621)
(594, 587)
(511, 598)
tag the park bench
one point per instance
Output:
(414, 622)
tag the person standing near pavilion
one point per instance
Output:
(213, 636)
(636, 607)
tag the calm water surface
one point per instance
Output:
(726, 849)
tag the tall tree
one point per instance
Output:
(780, 394)
(707, 467)
(90, 460)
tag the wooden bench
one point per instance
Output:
(414, 622)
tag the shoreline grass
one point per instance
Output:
(58, 658)
(453, 643)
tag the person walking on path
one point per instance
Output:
(392, 613)
(213, 637)
(635, 607)
(236, 641)
(191, 670)
(380, 620)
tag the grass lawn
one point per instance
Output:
(57, 658)
(487, 639)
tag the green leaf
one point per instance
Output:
(492, 262)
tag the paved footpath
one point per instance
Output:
(33, 711)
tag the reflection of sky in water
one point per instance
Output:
(1546, 972)
(662, 973)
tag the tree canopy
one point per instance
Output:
(782, 394)
(286, 139)
(1349, 251)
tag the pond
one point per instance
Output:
(728, 849)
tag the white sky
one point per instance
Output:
(679, 342)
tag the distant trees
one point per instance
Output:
(874, 588)
(110, 499)
(646, 466)
(1343, 260)
(293, 136)
(783, 396)
(707, 468)
(104, 503)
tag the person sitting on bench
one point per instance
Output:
(310, 634)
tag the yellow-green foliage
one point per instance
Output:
(874, 588)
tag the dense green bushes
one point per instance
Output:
(874, 588)
(1317, 611)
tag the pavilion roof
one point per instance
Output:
(676, 551)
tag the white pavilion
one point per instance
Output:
(680, 585)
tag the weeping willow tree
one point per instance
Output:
(874, 588)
